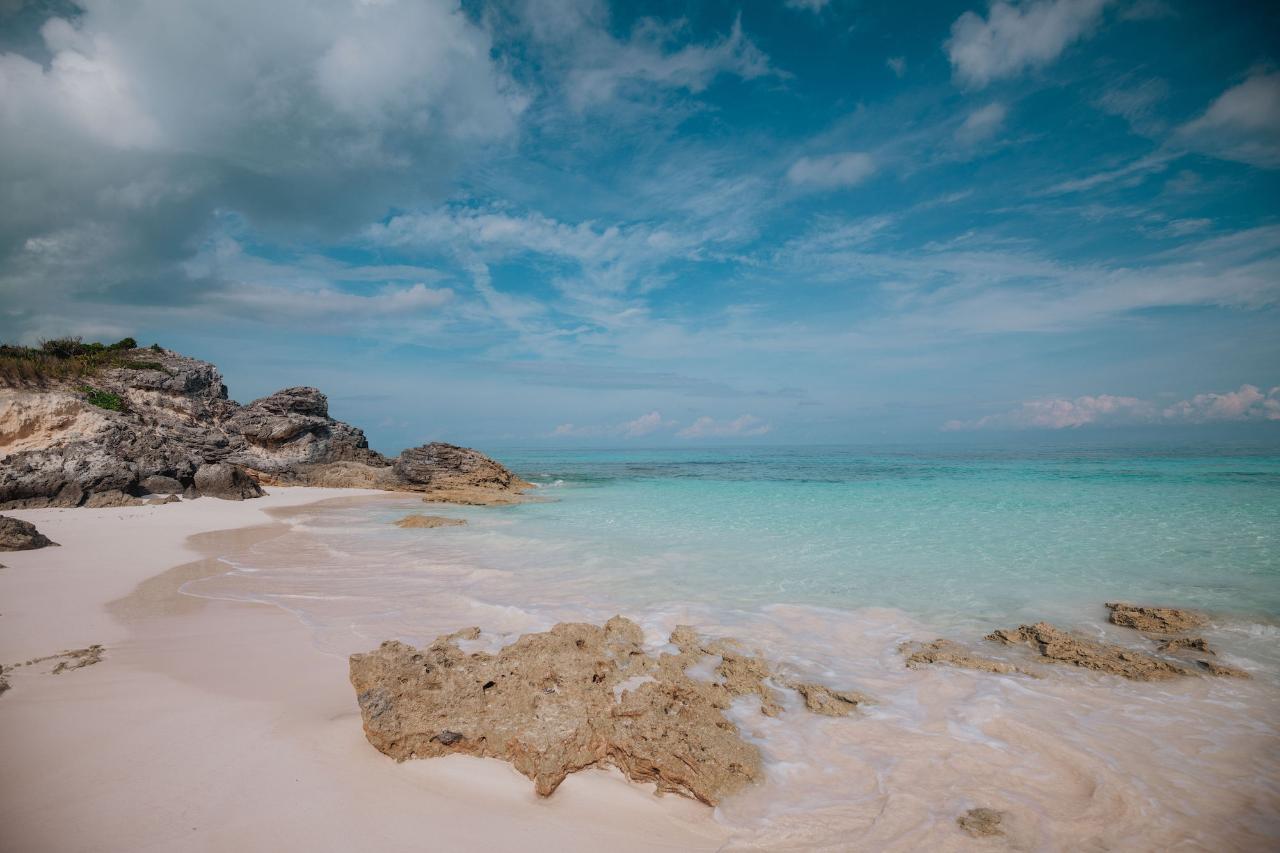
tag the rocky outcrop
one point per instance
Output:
(447, 472)
(576, 696)
(1058, 646)
(1186, 644)
(19, 535)
(953, 654)
(429, 521)
(150, 426)
(1154, 620)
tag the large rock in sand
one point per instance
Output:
(447, 472)
(19, 535)
(226, 481)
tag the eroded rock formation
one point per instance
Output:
(954, 654)
(19, 535)
(1058, 646)
(1154, 620)
(576, 696)
(150, 427)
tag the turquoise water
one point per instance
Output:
(987, 534)
(825, 561)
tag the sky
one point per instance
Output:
(575, 223)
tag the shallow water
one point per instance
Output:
(828, 559)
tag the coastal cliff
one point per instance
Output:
(93, 425)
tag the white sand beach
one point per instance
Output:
(214, 725)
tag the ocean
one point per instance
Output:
(828, 558)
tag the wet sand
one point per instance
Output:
(218, 725)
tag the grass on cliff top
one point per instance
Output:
(108, 400)
(67, 358)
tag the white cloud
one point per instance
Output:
(646, 424)
(1246, 404)
(1243, 123)
(1136, 103)
(834, 170)
(897, 64)
(808, 5)
(982, 123)
(1012, 38)
(708, 427)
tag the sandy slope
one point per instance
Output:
(215, 725)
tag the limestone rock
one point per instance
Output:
(1222, 669)
(455, 474)
(1059, 646)
(1154, 620)
(981, 823)
(429, 521)
(226, 481)
(19, 535)
(946, 652)
(579, 695)
(112, 498)
(161, 501)
(1186, 644)
(828, 702)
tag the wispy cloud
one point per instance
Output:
(982, 124)
(644, 425)
(1013, 38)
(1249, 403)
(1243, 123)
(832, 171)
(708, 427)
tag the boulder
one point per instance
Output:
(19, 535)
(447, 472)
(113, 498)
(226, 481)
(159, 484)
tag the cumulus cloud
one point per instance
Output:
(1247, 404)
(982, 124)
(646, 424)
(834, 170)
(708, 427)
(1012, 39)
(1243, 123)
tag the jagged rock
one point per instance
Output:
(1188, 644)
(113, 498)
(457, 475)
(578, 695)
(981, 823)
(1058, 646)
(56, 449)
(158, 484)
(160, 501)
(19, 535)
(428, 521)
(829, 703)
(1222, 669)
(226, 481)
(1154, 620)
(946, 652)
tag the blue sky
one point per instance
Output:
(565, 222)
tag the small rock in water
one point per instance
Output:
(1222, 669)
(1154, 620)
(1189, 644)
(1056, 645)
(947, 652)
(429, 521)
(981, 823)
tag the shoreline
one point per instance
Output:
(215, 724)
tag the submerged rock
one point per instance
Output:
(981, 823)
(946, 652)
(1186, 644)
(826, 701)
(576, 696)
(429, 521)
(1154, 620)
(19, 535)
(1059, 646)
(1222, 669)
